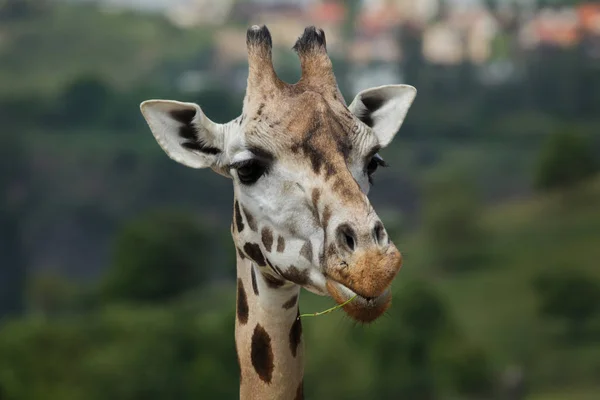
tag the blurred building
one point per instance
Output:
(555, 27)
(589, 17)
(187, 13)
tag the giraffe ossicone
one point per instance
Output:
(301, 162)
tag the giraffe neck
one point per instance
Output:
(268, 336)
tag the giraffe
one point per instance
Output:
(301, 162)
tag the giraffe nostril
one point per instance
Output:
(349, 241)
(346, 238)
(379, 233)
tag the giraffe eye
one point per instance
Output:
(374, 163)
(250, 171)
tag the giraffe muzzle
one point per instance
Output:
(367, 273)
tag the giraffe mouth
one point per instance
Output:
(362, 309)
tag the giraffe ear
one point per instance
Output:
(383, 109)
(184, 132)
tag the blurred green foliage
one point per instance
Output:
(572, 296)
(13, 200)
(121, 353)
(566, 160)
(451, 222)
(158, 257)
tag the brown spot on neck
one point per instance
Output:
(271, 281)
(240, 253)
(296, 334)
(253, 278)
(300, 391)
(261, 354)
(252, 250)
(291, 302)
(242, 303)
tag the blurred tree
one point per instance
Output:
(568, 295)
(13, 186)
(17, 9)
(157, 257)
(50, 294)
(167, 355)
(419, 354)
(86, 101)
(469, 371)
(411, 40)
(121, 353)
(403, 346)
(565, 160)
(451, 222)
(219, 105)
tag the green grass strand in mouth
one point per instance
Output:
(328, 310)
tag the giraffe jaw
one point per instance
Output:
(361, 309)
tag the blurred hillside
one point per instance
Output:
(492, 196)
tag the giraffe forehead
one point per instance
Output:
(290, 118)
(314, 134)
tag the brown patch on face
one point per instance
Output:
(267, 238)
(273, 268)
(309, 145)
(253, 277)
(368, 273)
(345, 188)
(252, 250)
(306, 251)
(290, 303)
(293, 274)
(331, 250)
(359, 309)
(280, 244)
(250, 219)
(242, 303)
(319, 134)
(260, 109)
(326, 217)
(316, 195)
(295, 335)
(300, 391)
(272, 282)
(239, 222)
(261, 354)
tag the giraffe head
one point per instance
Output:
(301, 162)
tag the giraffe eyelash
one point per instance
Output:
(243, 163)
(379, 162)
(382, 163)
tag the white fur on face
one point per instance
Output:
(281, 201)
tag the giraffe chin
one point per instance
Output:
(360, 309)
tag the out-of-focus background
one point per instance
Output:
(116, 263)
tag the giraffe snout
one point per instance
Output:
(366, 271)
(349, 239)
